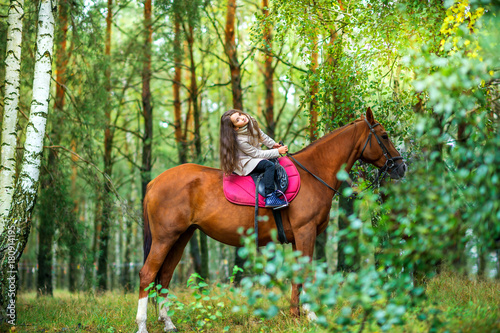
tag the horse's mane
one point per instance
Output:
(333, 133)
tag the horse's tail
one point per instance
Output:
(147, 228)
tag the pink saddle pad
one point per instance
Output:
(241, 189)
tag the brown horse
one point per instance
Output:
(190, 197)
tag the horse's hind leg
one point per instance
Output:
(167, 271)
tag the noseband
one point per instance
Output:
(390, 162)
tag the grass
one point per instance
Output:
(465, 306)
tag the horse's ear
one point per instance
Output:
(369, 116)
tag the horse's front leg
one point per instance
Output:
(304, 242)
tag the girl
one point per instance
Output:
(240, 152)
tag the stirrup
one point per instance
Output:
(284, 199)
(281, 203)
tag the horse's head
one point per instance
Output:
(379, 150)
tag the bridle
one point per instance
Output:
(390, 162)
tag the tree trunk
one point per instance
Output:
(179, 137)
(482, 261)
(51, 179)
(313, 106)
(18, 226)
(205, 271)
(147, 108)
(335, 48)
(75, 239)
(11, 102)
(194, 94)
(194, 250)
(62, 58)
(320, 244)
(126, 281)
(235, 70)
(268, 75)
(240, 262)
(348, 261)
(105, 216)
(231, 52)
(46, 235)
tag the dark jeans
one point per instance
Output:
(268, 168)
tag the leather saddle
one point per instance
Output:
(280, 178)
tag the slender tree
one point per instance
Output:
(11, 103)
(313, 104)
(268, 74)
(194, 96)
(179, 137)
(320, 244)
(230, 48)
(147, 107)
(348, 261)
(52, 177)
(193, 93)
(18, 226)
(105, 215)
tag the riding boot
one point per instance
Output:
(273, 201)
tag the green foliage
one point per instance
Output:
(372, 295)
(360, 46)
(461, 168)
(449, 199)
(390, 55)
(464, 305)
(205, 309)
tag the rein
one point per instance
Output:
(312, 174)
(389, 163)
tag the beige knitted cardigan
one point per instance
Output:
(250, 152)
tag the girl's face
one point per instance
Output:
(239, 120)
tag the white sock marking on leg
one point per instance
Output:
(169, 325)
(142, 315)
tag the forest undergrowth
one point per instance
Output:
(463, 305)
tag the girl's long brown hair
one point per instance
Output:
(229, 142)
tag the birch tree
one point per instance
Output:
(18, 222)
(11, 102)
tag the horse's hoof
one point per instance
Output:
(142, 328)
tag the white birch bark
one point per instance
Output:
(18, 223)
(35, 130)
(11, 102)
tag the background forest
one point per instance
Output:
(139, 87)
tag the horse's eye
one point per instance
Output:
(385, 136)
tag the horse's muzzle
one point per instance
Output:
(398, 170)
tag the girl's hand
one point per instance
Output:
(283, 149)
(276, 145)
